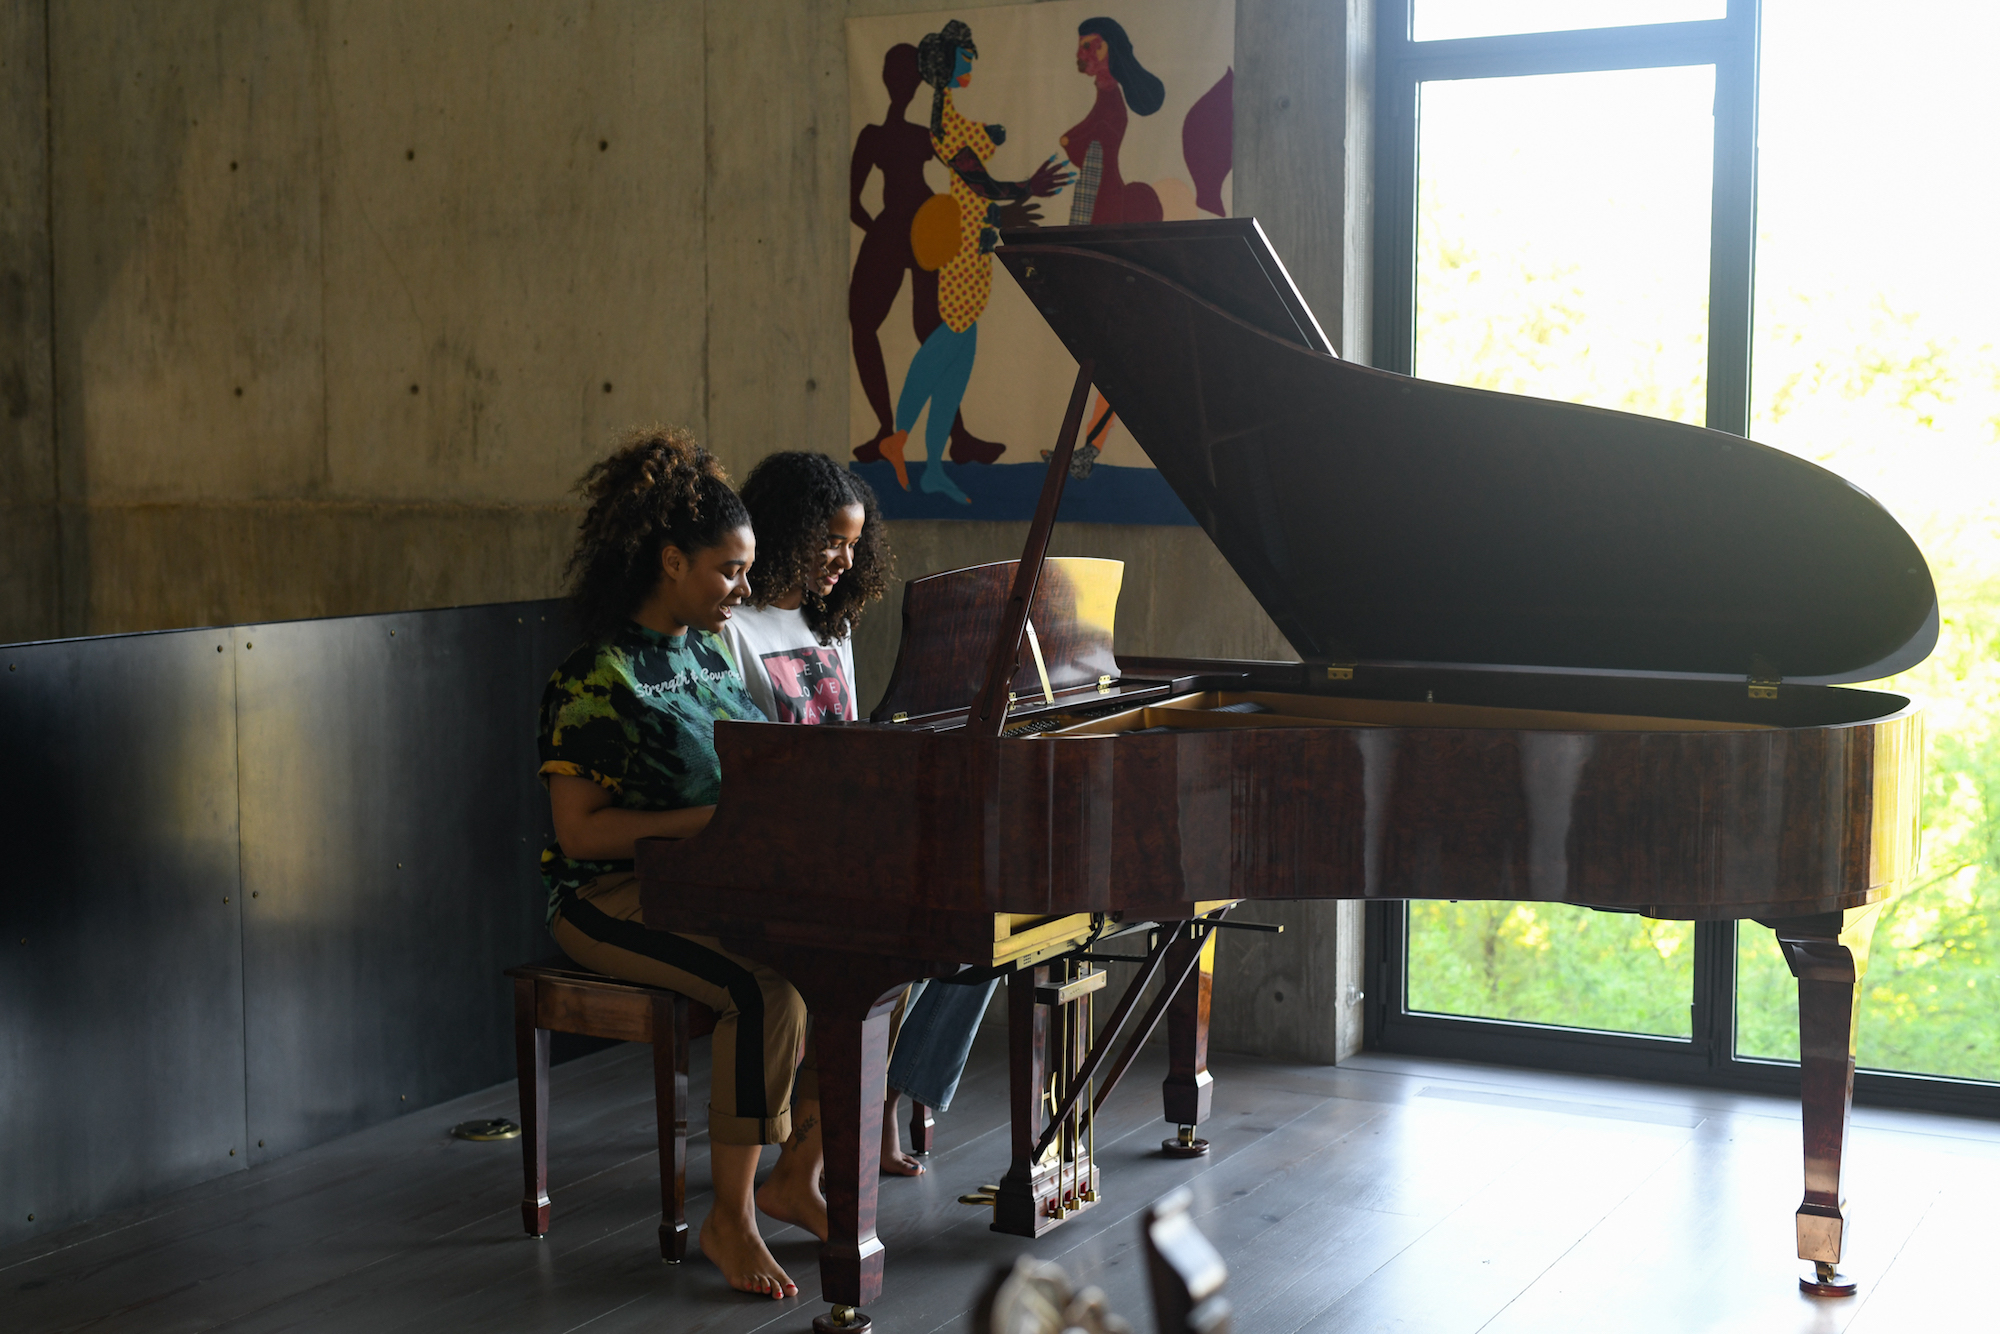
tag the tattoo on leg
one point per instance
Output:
(803, 1129)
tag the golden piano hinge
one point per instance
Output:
(1764, 677)
(900, 718)
(1104, 685)
(1340, 669)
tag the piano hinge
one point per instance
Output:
(1103, 685)
(1340, 669)
(1764, 677)
(900, 718)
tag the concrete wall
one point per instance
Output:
(317, 307)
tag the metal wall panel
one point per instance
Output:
(121, 1019)
(390, 823)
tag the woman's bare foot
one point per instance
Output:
(896, 1163)
(740, 1254)
(791, 1197)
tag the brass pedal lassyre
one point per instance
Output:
(1063, 1067)
(1054, 1175)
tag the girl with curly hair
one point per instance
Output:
(627, 745)
(823, 557)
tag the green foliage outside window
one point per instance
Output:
(1900, 394)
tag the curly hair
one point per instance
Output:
(792, 497)
(659, 488)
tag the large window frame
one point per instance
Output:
(1730, 45)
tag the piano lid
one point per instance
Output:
(1382, 518)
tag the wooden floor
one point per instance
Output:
(1387, 1194)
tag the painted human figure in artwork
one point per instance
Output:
(1103, 196)
(961, 234)
(898, 148)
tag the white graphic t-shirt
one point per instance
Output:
(793, 677)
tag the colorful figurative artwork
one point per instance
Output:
(971, 122)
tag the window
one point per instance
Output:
(1574, 214)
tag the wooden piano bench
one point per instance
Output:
(556, 996)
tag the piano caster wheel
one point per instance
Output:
(1826, 1281)
(842, 1320)
(1184, 1145)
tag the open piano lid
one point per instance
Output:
(1380, 518)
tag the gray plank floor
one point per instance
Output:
(1388, 1194)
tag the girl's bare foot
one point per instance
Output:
(740, 1254)
(793, 1197)
(896, 1163)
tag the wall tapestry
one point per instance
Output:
(967, 122)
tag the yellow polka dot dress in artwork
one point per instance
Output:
(966, 280)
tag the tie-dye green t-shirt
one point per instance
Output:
(635, 711)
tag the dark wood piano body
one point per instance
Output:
(1547, 652)
(1639, 797)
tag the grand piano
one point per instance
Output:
(1546, 652)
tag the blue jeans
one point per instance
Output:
(936, 1039)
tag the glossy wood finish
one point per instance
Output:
(1810, 808)
(1017, 1206)
(922, 1126)
(670, 1115)
(1382, 522)
(560, 998)
(948, 621)
(1828, 954)
(1382, 518)
(531, 1051)
(854, 1064)
(989, 709)
(1783, 821)
(1189, 1090)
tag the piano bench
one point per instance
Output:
(556, 996)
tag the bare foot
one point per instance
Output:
(896, 1163)
(741, 1256)
(793, 1199)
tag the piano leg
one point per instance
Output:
(853, 1079)
(1188, 1089)
(1015, 1207)
(1828, 954)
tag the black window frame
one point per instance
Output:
(1731, 45)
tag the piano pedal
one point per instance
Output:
(1826, 1280)
(1184, 1145)
(984, 1195)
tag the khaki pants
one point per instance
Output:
(760, 1018)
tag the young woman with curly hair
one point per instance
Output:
(628, 752)
(823, 556)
